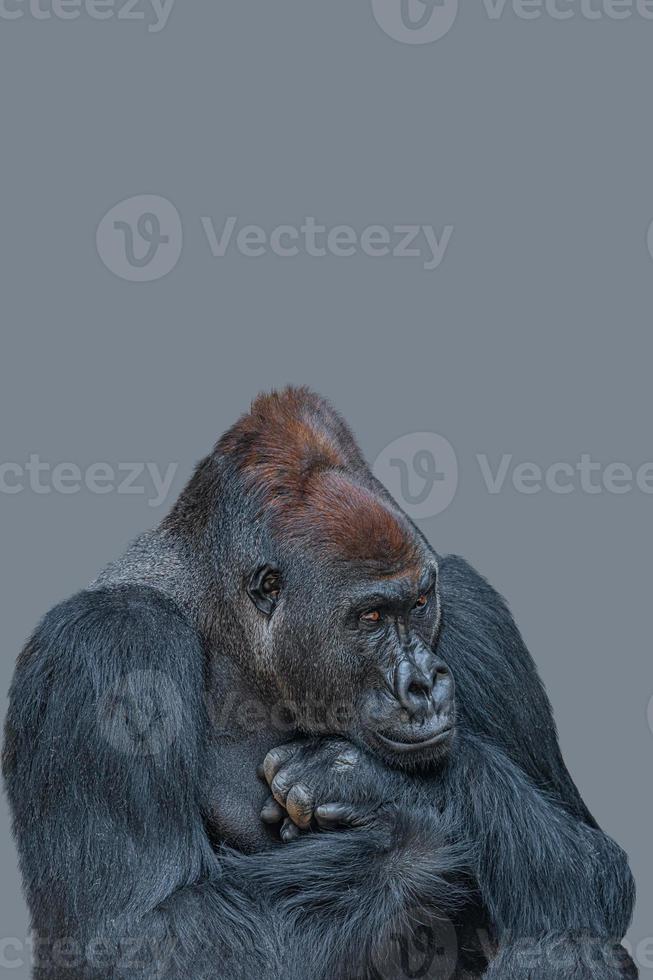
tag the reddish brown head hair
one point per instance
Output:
(299, 459)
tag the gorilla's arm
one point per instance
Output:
(556, 891)
(499, 694)
(545, 869)
(552, 885)
(104, 745)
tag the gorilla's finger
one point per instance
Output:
(289, 832)
(300, 804)
(328, 816)
(281, 785)
(276, 758)
(272, 812)
(332, 815)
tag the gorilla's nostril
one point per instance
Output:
(417, 690)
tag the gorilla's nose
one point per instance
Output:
(423, 686)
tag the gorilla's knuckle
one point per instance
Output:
(299, 805)
(346, 760)
(272, 764)
(281, 785)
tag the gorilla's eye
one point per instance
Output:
(421, 602)
(371, 616)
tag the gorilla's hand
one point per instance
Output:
(323, 783)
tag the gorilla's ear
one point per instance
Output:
(264, 588)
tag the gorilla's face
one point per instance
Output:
(355, 652)
(344, 608)
(407, 696)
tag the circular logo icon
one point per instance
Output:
(141, 713)
(420, 470)
(140, 239)
(415, 21)
(418, 946)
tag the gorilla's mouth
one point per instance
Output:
(404, 742)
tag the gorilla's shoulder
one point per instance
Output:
(99, 667)
(457, 573)
(470, 596)
(127, 622)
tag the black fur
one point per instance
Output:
(138, 833)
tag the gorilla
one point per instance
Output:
(282, 738)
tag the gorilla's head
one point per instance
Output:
(328, 594)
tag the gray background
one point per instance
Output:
(532, 138)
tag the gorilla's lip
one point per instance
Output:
(416, 745)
